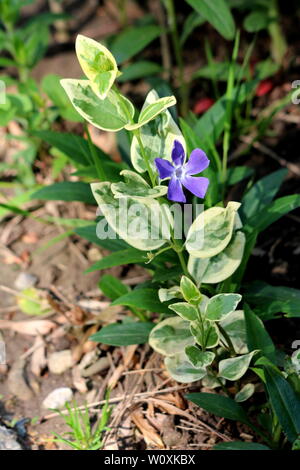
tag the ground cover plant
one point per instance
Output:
(175, 206)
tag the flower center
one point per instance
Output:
(179, 172)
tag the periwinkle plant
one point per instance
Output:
(206, 338)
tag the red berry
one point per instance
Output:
(264, 87)
(203, 105)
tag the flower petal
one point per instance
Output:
(178, 153)
(175, 191)
(197, 162)
(196, 185)
(164, 167)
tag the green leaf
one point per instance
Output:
(171, 336)
(238, 173)
(33, 302)
(235, 327)
(218, 14)
(192, 21)
(151, 111)
(146, 299)
(111, 114)
(75, 147)
(240, 445)
(173, 292)
(221, 266)
(157, 137)
(142, 224)
(257, 335)
(218, 71)
(219, 405)
(256, 21)
(296, 444)
(139, 70)
(245, 393)
(284, 401)
(112, 287)
(133, 40)
(136, 187)
(199, 358)
(184, 310)
(182, 370)
(211, 231)
(266, 68)
(206, 334)
(210, 126)
(51, 86)
(268, 300)
(260, 195)
(219, 306)
(275, 211)
(97, 63)
(123, 334)
(65, 191)
(118, 258)
(235, 367)
(90, 233)
(189, 291)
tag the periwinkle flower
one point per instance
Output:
(180, 173)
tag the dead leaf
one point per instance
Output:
(174, 398)
(16, 381)
(30, 238)
(78, 381)
(115, 377)
(129, 353)
(38, 358)
(150, 435)
(35, 327)
(84, 346)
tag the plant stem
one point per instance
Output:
(137, 134)
(183, 263)
(227, 338)
(99, 168)
(178, 55)
(229, 100)
(214, 373)
(210, 61)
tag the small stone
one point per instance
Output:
(8, 440)
(58, 398)
(60, 361)
(102, 364)
(25, 280)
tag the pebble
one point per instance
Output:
(102, 364)
(58, 398)
(25, 280)
(8, 440)
(60, 361)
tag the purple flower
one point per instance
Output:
(181, 173)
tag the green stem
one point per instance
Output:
(99, 168)
(182, 262)
(178, 55)
(214, 373)
(227, 339)
(152, 176)
(210, 61)
(229, 101)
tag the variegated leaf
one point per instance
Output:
(157, 137)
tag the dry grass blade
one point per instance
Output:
(150, 435)
(173, 410)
